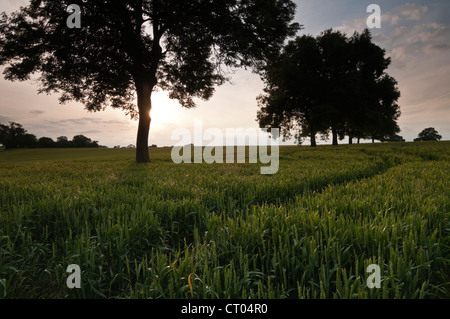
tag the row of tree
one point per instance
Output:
(331, 84)
(15, 136)
(125, 50)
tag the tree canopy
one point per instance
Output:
(330, 83)
(126, 49)
(428, 134)
(15, 136)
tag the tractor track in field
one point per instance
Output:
(288, 192)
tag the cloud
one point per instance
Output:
(391, 18)
(91, 132)
(409, 12)
(408, 45)
(419, 48)
(350, 28)
(412, 11)
(4, 119)
(12, 5)
(37, 112)
(436, 48)
(84, 121)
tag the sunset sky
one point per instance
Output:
(415, 34)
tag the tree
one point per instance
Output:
(428, 134)
(62, 141)
(383, 110)
(373, 111)
(394, 138)
(46, 142)
(3, 133)
(293, 84)
(362, 97)
(81, 141)
(13, 136)
(336, 87)
(330, 83)
(126, 49)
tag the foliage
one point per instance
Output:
(127, 49)
(15, 136)
(330, 83)
(428, 134)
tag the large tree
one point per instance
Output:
(306, 87)
(428, 134)
(127, 49)
(330, 83)
(15, 136)
(336, 74)
(373, 110)
(293, 87)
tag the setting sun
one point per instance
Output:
(164, 110)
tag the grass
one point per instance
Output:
(224, 230)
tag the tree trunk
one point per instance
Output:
(350, 139)
(313, 139)
(335, 137)
(359, 139)
(144, 93)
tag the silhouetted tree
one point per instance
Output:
(428, 134)
(3, 133)
(46, 142)
(15, 136)
(126, 49)
(12, 136)
(330, 83)
(28, 141)
(293, 88)
(372, 105)
(336, 88)
(394, 138)
(383, 110)
(63, 141)
(80, 141)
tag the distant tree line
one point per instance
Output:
(15, 136)
(331, 84)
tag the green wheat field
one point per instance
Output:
(194, 231)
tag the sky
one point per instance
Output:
(415, 34)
